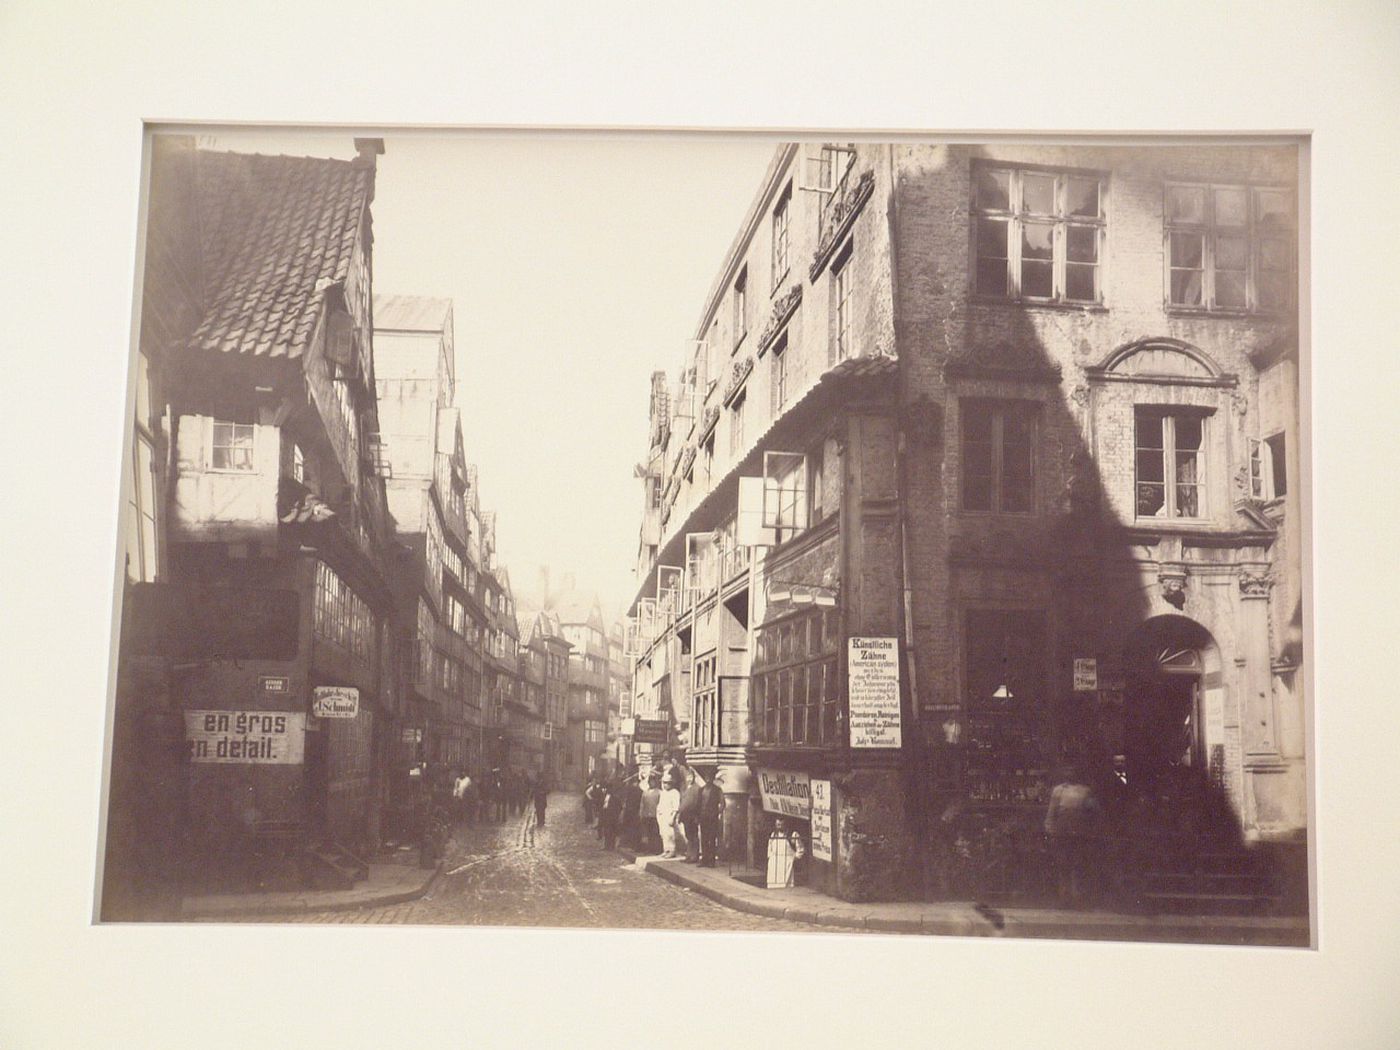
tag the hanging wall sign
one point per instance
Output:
(335, 701)
(872, 691)
(1086, 674)
(784, 793)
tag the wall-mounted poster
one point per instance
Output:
(821, 819)
(872, 688)
(250, 737)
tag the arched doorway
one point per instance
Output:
(1168, 662)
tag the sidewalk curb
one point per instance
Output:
(193, 909)
(1223, 930)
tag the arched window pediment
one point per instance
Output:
(1161, 360)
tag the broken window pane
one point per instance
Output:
(1038, 194)
(994, 190)
(1037, 241)
(1082, 197)
(1186, 204)
(1082, 244)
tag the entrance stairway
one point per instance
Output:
(1230, 881)
(330, 866)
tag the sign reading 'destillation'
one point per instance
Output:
(821, 819)
(246, 737)
(335, 701)
(872, 691)
(784, 793)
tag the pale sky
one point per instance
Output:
(578, 264)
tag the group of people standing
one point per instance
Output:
(668, 809)
(495, 796)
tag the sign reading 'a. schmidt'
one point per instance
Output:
(334, 701)
(872, 691)
(249, 737)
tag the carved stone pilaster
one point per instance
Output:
(1254, 584)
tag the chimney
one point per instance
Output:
(367, 150)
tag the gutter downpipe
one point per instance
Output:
(913, 750)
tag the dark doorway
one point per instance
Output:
(1163, 730)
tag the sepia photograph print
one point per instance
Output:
(716, 532)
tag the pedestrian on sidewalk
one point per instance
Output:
(689, 817)
(667, 812)
(630, 830)
(541, 799)
(1071, 830)
(651, 796)
(589, 790)
(711, 820)
(461, 788)
(610, 814)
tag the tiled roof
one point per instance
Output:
(411, 313)
(271, 230)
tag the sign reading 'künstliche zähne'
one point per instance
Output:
(246, 737)
(872, 691)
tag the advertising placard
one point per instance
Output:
(651, 731)
(1086, 674)
(787, 794)
(872, 691)
(821, 819)
(246, 737)
(335, 701)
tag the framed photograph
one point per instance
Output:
(525, 522)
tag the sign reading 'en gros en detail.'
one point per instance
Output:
(872, 691)
(246, 737)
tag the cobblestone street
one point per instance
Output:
(514, 875)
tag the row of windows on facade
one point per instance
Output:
(1041, 235)
(998, 468)
(1169, 460)
(341, 616)
(796, 688)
